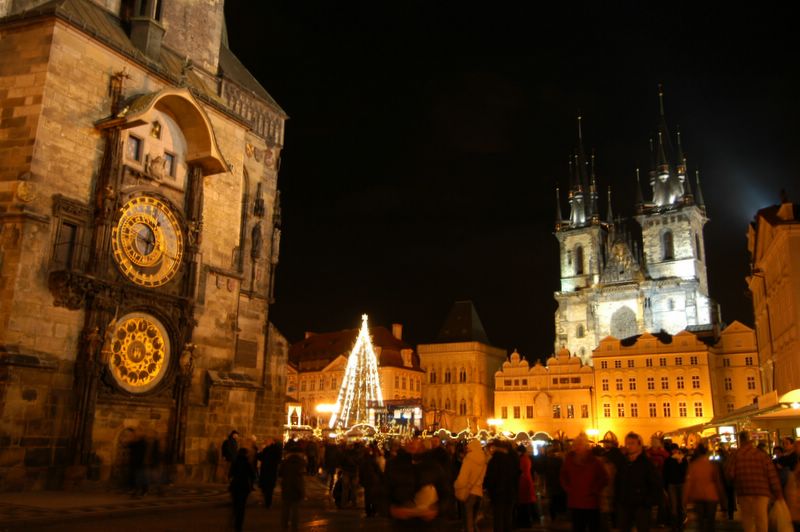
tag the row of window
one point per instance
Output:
(462, 406)
(556, 380)
(568, 412)
(662, 361)
(652, 409)
(751, 383)
(448, 376)
(651, 383)
(400, 383)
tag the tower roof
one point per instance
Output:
(462, 325)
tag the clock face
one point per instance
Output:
(147, 242)
(139, 349)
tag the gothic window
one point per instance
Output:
(64, 249)
(582, 352)
(462, 408)
(529, 411)
(447, 404)
(623, 323)
(584, 411)
(667, 245)
(447, 376)
(504, 412)
(432, 377)
(578, 260)
(580, 331)
(697, 246)
(516, 412)
(462, 375)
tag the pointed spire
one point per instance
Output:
(661, 100)
(559, 216)
(661, 155)
(681, 162)
(699, 196)
(639, 198)
(610, 213)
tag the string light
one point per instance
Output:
(360, 391)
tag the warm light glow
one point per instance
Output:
(361, 387)
(326, 408)
(493, 422)
(592, 432)
(796, 406)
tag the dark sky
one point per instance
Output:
(425, 141)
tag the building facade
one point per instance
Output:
(646, 384)
(773, 241)
(317, 366)
(459, 368)
(615, 284)
(140, 223)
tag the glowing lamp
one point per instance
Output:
(326, 408)
(592, 432)
(493, 422)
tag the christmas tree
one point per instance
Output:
(360, 392)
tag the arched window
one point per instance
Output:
(697, 247)
(667, 245)
(432, 377)
(462, 408)
(462, 375)
(447, 404)
(578, 260)
(580, 332)
(447, 376)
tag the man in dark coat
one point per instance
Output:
(270, 458)
(242, 475)
(230, 447)
(502, 482)
(637, 487)
(293, 487)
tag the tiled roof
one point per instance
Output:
(462, 325)
(319, 350)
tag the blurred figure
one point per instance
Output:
(583, 477)
(526, 509)
(703, 489)
(552, 479)
(230, 447)
(755, 481)
(502, 484)
(674, 477)
(242, 475)
(293, 488)
(637, 487)
(139, 463)
(469, 483)
(270, 458)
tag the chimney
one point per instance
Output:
(397, 330)
(146, 29)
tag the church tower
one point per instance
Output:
(672, 237)
(582, 242)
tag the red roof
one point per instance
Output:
(319, 350)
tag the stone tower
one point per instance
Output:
(139, 239)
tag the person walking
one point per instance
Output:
(270, 459)
(469, 483)
(293, 488)
(755, 480)
(502, 483)
(583, 477)
(674, 477)
(230, 447)
(637, 487)
(703, 489)
(242, 475)
(526, 503)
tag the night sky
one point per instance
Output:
(425, 142)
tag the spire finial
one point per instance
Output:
(580, 129)
(699, 196)
(661, 99)
(610, 215)
(639, 198)
(559, 216)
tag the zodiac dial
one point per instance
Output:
(147, 242)
(139, 352)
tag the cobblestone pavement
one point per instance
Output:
(194, 509)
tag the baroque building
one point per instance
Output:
(773, 240)
(614, 283)
(317, 366)
(460, 365)
(139, 239)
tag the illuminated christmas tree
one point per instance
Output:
(360, 392)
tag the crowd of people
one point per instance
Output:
(424, 483)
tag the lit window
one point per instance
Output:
(605, 385)
(618, 383)
(556, 411)
(751, 383)
(604, 364)
(620, 409)
(634, 409)
(695, 382)
(652, 409)
(651, 383)
(134, 148)
(665, 383)
(667, 410)
(728, 384)
(570, 411)
(504, 412)
(606, 409)
(679, 383)
(516, 412)
(584, 411)
(632, 383)
(681, 409)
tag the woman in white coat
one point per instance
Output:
(469, 484)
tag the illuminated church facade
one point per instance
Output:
(616, 284)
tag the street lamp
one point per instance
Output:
(494, 423)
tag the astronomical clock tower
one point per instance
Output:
(615, 283)
(140, 223)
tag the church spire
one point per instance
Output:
(681, 158)
(699, 196)
(639, 198)
(610, 213)
(593, 193)
(559, 216)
